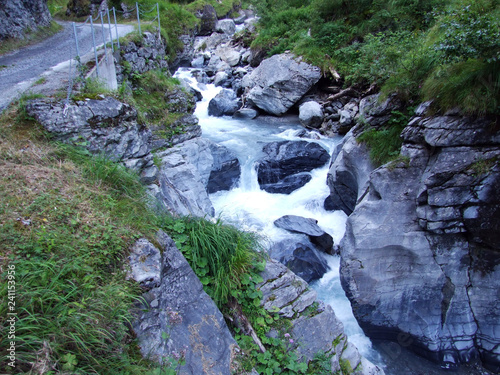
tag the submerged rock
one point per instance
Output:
(282, 168)
(279, 82)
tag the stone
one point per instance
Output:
(145, 264)
(313, 327)
(246, 113)
(221, 78)
(301, 258)
(287, 184)
(182, 190)
(225, 26)
(19, 17)
(225, 103)
(229, 55)
(311, 114)
(208, 20)
(348, 174)
(108, 126)
(420, 253)
(287, 159)
(279, 82)
(309, 227)
(178, 319)
(226, 170)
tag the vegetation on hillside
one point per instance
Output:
(447, 51)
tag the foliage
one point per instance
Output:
(222, 7)
(385, 143)
(398, 45)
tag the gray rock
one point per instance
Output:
(225, 103)
(314, 328)
(246, 113)
(145, 264)
(229, 55)
(284, 161)
(198, 62)
(225, 171)
(348, 174)
(208, 20)
(106, 125)
(182, 190)
(298, 224)
(221, 78)
(420, 253)
(279, 82)
(226, 26)
(301, 258)
(18, 17)
(180, 320)
(311, 114)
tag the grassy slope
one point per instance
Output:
(423, 49)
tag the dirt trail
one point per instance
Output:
(19, 70)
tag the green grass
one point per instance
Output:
(425, 49)
(30, 38)
(385, 143)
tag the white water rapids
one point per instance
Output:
(250, 208)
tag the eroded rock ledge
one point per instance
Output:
(422, 246)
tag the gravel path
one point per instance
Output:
(20, 69)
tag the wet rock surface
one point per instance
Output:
(282, 169)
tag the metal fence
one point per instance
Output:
(106, 36)
(101, 17)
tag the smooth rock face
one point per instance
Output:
(299, 224)
(279, 82)
(311, 114)
(225, 103)
(301, 258)
(225, 171)
(348, 174)
(180, 319)
(17, 17)
(421, 252)
(284, 161)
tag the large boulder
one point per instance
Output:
(279, 82)
(18, 17)
(309, 227)
(225, 103)
(178, 320)
(226, 26)
(225, 171)
(421, 252)
(282, 169)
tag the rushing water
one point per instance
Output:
(253, 209)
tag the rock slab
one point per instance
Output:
(179, 320)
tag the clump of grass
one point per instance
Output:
(385, 143)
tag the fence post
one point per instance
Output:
(138, 17)
(95, 48)
(159, 26)
(110, 35)
(76, 41)
(104, 38)
(116, 29)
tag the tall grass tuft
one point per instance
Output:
(220, 254)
